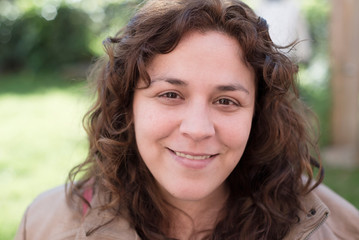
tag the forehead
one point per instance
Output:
(208, 56)
(213, 41)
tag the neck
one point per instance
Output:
(194, 216)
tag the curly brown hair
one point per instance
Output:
(266, 185)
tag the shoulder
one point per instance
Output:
(343, 219)
(326, 215)
(49, 216)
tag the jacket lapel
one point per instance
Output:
(311, 218)
(100, 224)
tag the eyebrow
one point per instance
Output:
(232, 87)
(173, 81)
(222, 88)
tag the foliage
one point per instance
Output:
(314, 76)
(115, 17)
(52, 37)
(35, 43)
(317, 14)
(314, 90)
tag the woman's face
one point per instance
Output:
(193, 122)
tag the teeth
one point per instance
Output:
(192, 157)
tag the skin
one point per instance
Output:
(193, 122)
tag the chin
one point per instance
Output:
(191, 194)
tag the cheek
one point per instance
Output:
(145, 115)
(151, 122)
(236, 132)
(145, 123)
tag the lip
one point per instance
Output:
(192, 160)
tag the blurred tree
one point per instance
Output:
(53, 34)
(314, 76)
(33, 42)
(109, 20)
(317, 14)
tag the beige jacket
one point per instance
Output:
(50, 218)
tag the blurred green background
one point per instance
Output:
(45, 50)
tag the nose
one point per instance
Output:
(197, 123)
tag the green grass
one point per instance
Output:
(42, 139)
(345, 182)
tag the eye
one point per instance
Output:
(226, 102)
(172, 95)
(170, 98)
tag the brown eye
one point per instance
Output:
(226, 101)
(171, 98)
(170, 95)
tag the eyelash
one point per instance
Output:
(170, 95)
(227, 102)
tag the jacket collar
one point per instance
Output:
(311, 217)
(113, 228)
(313, 214)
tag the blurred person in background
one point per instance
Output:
(197, 132)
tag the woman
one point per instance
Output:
(197, 133)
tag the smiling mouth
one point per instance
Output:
(192, 157)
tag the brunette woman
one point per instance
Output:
(197, 133)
